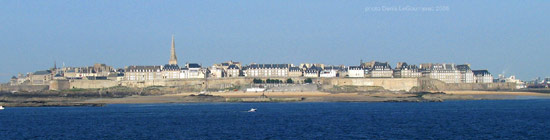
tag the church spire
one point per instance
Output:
(173, 58)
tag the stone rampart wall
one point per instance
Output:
(30, 88)
(427, 84)
(392, 84)
(86, 84)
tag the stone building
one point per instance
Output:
(367, 65)
(267, 70)
(228, 69)
(295, 72)
(356, 71)
(216, 72)
(143, 73)
(466, 74)
(444, 72)
(234, 70)
(195, 70)
(312, 71)
(380, 70)
(22, 79)
(482, 76)
(306, 66)
(343, 72)
(403, 70)
(41, 77)
(170, 71)
(88, 72)
(226, 65)
(330, 71)
(13, 81)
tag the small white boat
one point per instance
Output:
(252, 110)
(1, 107)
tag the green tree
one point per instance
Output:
(289, 81)
(257, 81)
(308, 80)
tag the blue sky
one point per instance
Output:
(509, 37)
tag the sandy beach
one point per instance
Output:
(322, 97)
(221, 96)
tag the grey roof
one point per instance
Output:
(86, 70)
(294, 69)
(171, 67)
(332, 68)
(193, 65)
(355, 67)
(384, 65)
(42, 72)
(312, 70)
(268, 66)
(439, 67)
(413, 67)
(233, 67)
(405, 66)
(130, 68)
(481, 72)
(463, 67)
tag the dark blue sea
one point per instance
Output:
(497, 119)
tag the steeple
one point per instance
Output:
(173, 58)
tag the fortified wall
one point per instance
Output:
(210, 83)
(391, 84)
(85, 84)
(427, 84)
(30, 88)
(388, 84)
(59, 84)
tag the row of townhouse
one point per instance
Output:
(448, 73)
(267, 70)
(451, 73)
(168, 71)
(43, 77)
(235, 69)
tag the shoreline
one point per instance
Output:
(325, 97)
(314, 96)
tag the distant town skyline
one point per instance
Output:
(510, 38)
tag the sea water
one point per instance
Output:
(497, 119)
